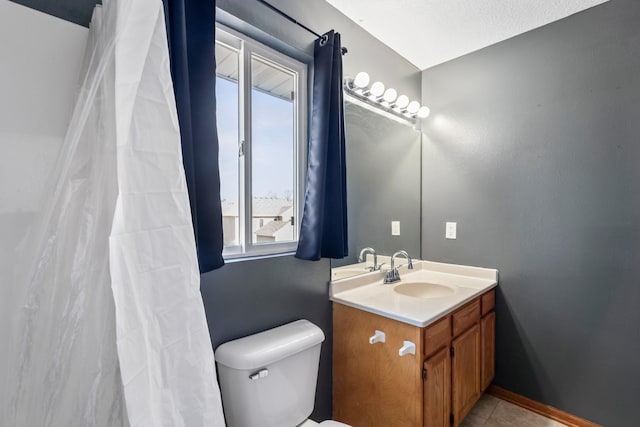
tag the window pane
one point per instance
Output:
(273, 131)
(227, 95)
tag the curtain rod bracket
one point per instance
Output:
(284, 15)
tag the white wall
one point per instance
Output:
(40, 61)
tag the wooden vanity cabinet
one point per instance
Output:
(436, 387)
(488, 338)
(465, 372)
(372, 384)
(488, 342)
(465, 359)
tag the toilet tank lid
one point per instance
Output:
(261, 349)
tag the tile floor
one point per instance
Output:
(493, 412)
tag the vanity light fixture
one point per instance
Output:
(377, 89)
(362, 80)
(423, 112)
(390, 95)
(402, 102)
(386, 100)
(413, 107)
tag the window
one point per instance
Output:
(261, 114)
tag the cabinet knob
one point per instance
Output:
(407, 348)
(378, 336)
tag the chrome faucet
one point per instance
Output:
(393, 275)
(372, 251)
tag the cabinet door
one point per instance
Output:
(437, 391)
(488, 332)
(466, 372)
(372, 385)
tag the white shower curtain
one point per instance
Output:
(108, 326)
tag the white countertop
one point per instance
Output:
(367, 292)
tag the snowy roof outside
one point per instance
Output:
(262, 207)
(271, 228)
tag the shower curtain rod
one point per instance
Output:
(301, 25)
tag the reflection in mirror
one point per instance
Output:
(349, 270)
(383, 185)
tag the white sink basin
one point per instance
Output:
(421, 297)
(424, 290)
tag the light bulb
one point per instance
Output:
(424, 112)
(402, 102)
(361, 80)
(377, 89)
(413, 107)
(390, 95)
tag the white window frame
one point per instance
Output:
(248, 47)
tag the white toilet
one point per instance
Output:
(269, 379)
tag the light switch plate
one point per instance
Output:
(450, 230)
(395, 228)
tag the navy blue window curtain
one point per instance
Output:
(323, 230)
(191, 36)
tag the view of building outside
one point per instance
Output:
(272, 165)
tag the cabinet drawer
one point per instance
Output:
(488, 301)
(466, 316)
(437, 336)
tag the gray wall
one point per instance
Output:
(383, 156)
(383, 183)
(534, 149)
(245, 297)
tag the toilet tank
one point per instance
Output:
(269, 379)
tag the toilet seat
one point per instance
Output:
(328, 423)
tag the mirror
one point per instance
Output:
(383, 185)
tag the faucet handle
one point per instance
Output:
(392, 275)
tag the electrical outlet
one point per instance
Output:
(395, 228)
(450, 230)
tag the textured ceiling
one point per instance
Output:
(430, 32)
